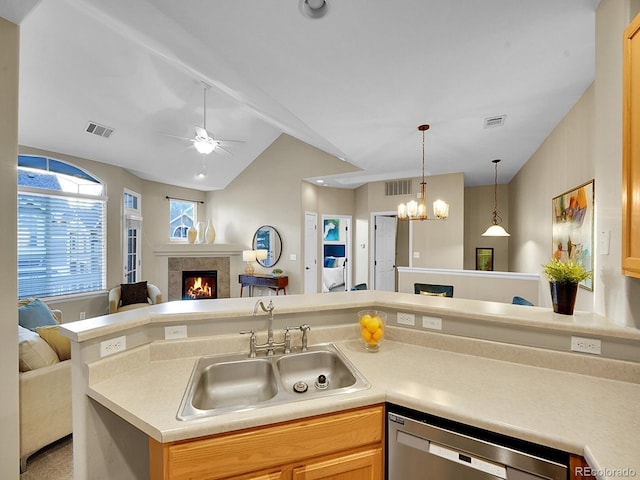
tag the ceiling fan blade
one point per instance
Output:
(220, 148)
(174, 136)
(230, 141)
(201, 132)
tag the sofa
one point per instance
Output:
(44, 386)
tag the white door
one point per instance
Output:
(385, 253)
(310, 252)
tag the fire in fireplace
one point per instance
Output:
(199, 284)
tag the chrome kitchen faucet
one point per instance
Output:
(270, 346)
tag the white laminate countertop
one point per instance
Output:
(590, 416)
(226, 308)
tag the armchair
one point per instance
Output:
(154, 296)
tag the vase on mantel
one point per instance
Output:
(192, 234)
(200, 227)
(210, 233)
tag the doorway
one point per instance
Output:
(336, 253)
(391, 247)
(310, 252)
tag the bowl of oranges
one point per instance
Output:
(372, 324)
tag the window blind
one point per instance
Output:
(61, 245)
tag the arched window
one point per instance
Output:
(61, 229)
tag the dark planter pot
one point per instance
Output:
(563, 297)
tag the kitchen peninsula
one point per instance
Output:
(501, 367)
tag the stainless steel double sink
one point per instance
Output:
(234, 382)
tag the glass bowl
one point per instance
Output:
(372, 324)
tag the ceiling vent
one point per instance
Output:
(397, 187)
(492, 122)
(99, 130)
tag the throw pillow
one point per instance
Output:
(131, 293)
(33, 351)
(35, 314)
(60, 344)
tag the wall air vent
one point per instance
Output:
(492, 122)
(99, 130)
(397, 187)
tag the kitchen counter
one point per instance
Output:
(595, 417)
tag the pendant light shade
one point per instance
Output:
(418, 210)
(495, 230)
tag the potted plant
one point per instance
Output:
(277, 272)
(564, 278)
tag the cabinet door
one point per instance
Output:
(631, 151)
(579, 469)
(365, 465)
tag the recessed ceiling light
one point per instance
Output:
(319, 181)
(313, 8)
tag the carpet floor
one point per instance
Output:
(54, 462)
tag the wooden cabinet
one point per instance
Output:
(579, 469)
(631, 151)
(366, 465)
(344, 445)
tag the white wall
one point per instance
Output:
(440, 244)
(585, 145)
(478, 208)
(270, 192)
(9, 440)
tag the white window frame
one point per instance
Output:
(132, 238)
(194, 219)
(59, 235)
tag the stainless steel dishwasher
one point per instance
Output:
(424, 447)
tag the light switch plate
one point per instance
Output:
(604, 237)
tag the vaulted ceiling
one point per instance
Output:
(355, 83)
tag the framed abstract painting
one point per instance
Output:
(572, 227)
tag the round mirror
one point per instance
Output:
(267, 239)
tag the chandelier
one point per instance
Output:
(495, 229)
(418, 210)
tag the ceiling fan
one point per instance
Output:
(203, 142)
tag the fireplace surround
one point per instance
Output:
(178, 265)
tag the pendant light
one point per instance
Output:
(418, 210)
(495, 230)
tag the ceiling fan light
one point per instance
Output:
(496, 231)
(204, 146)
(313, 8)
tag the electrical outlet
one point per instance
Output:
(434, 323)
(416, 254)
(406, 318)
(175, 331)
(586, 345)
(83, 315)
(115, 345)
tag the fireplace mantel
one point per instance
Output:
(196, 256)
(198, 250)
